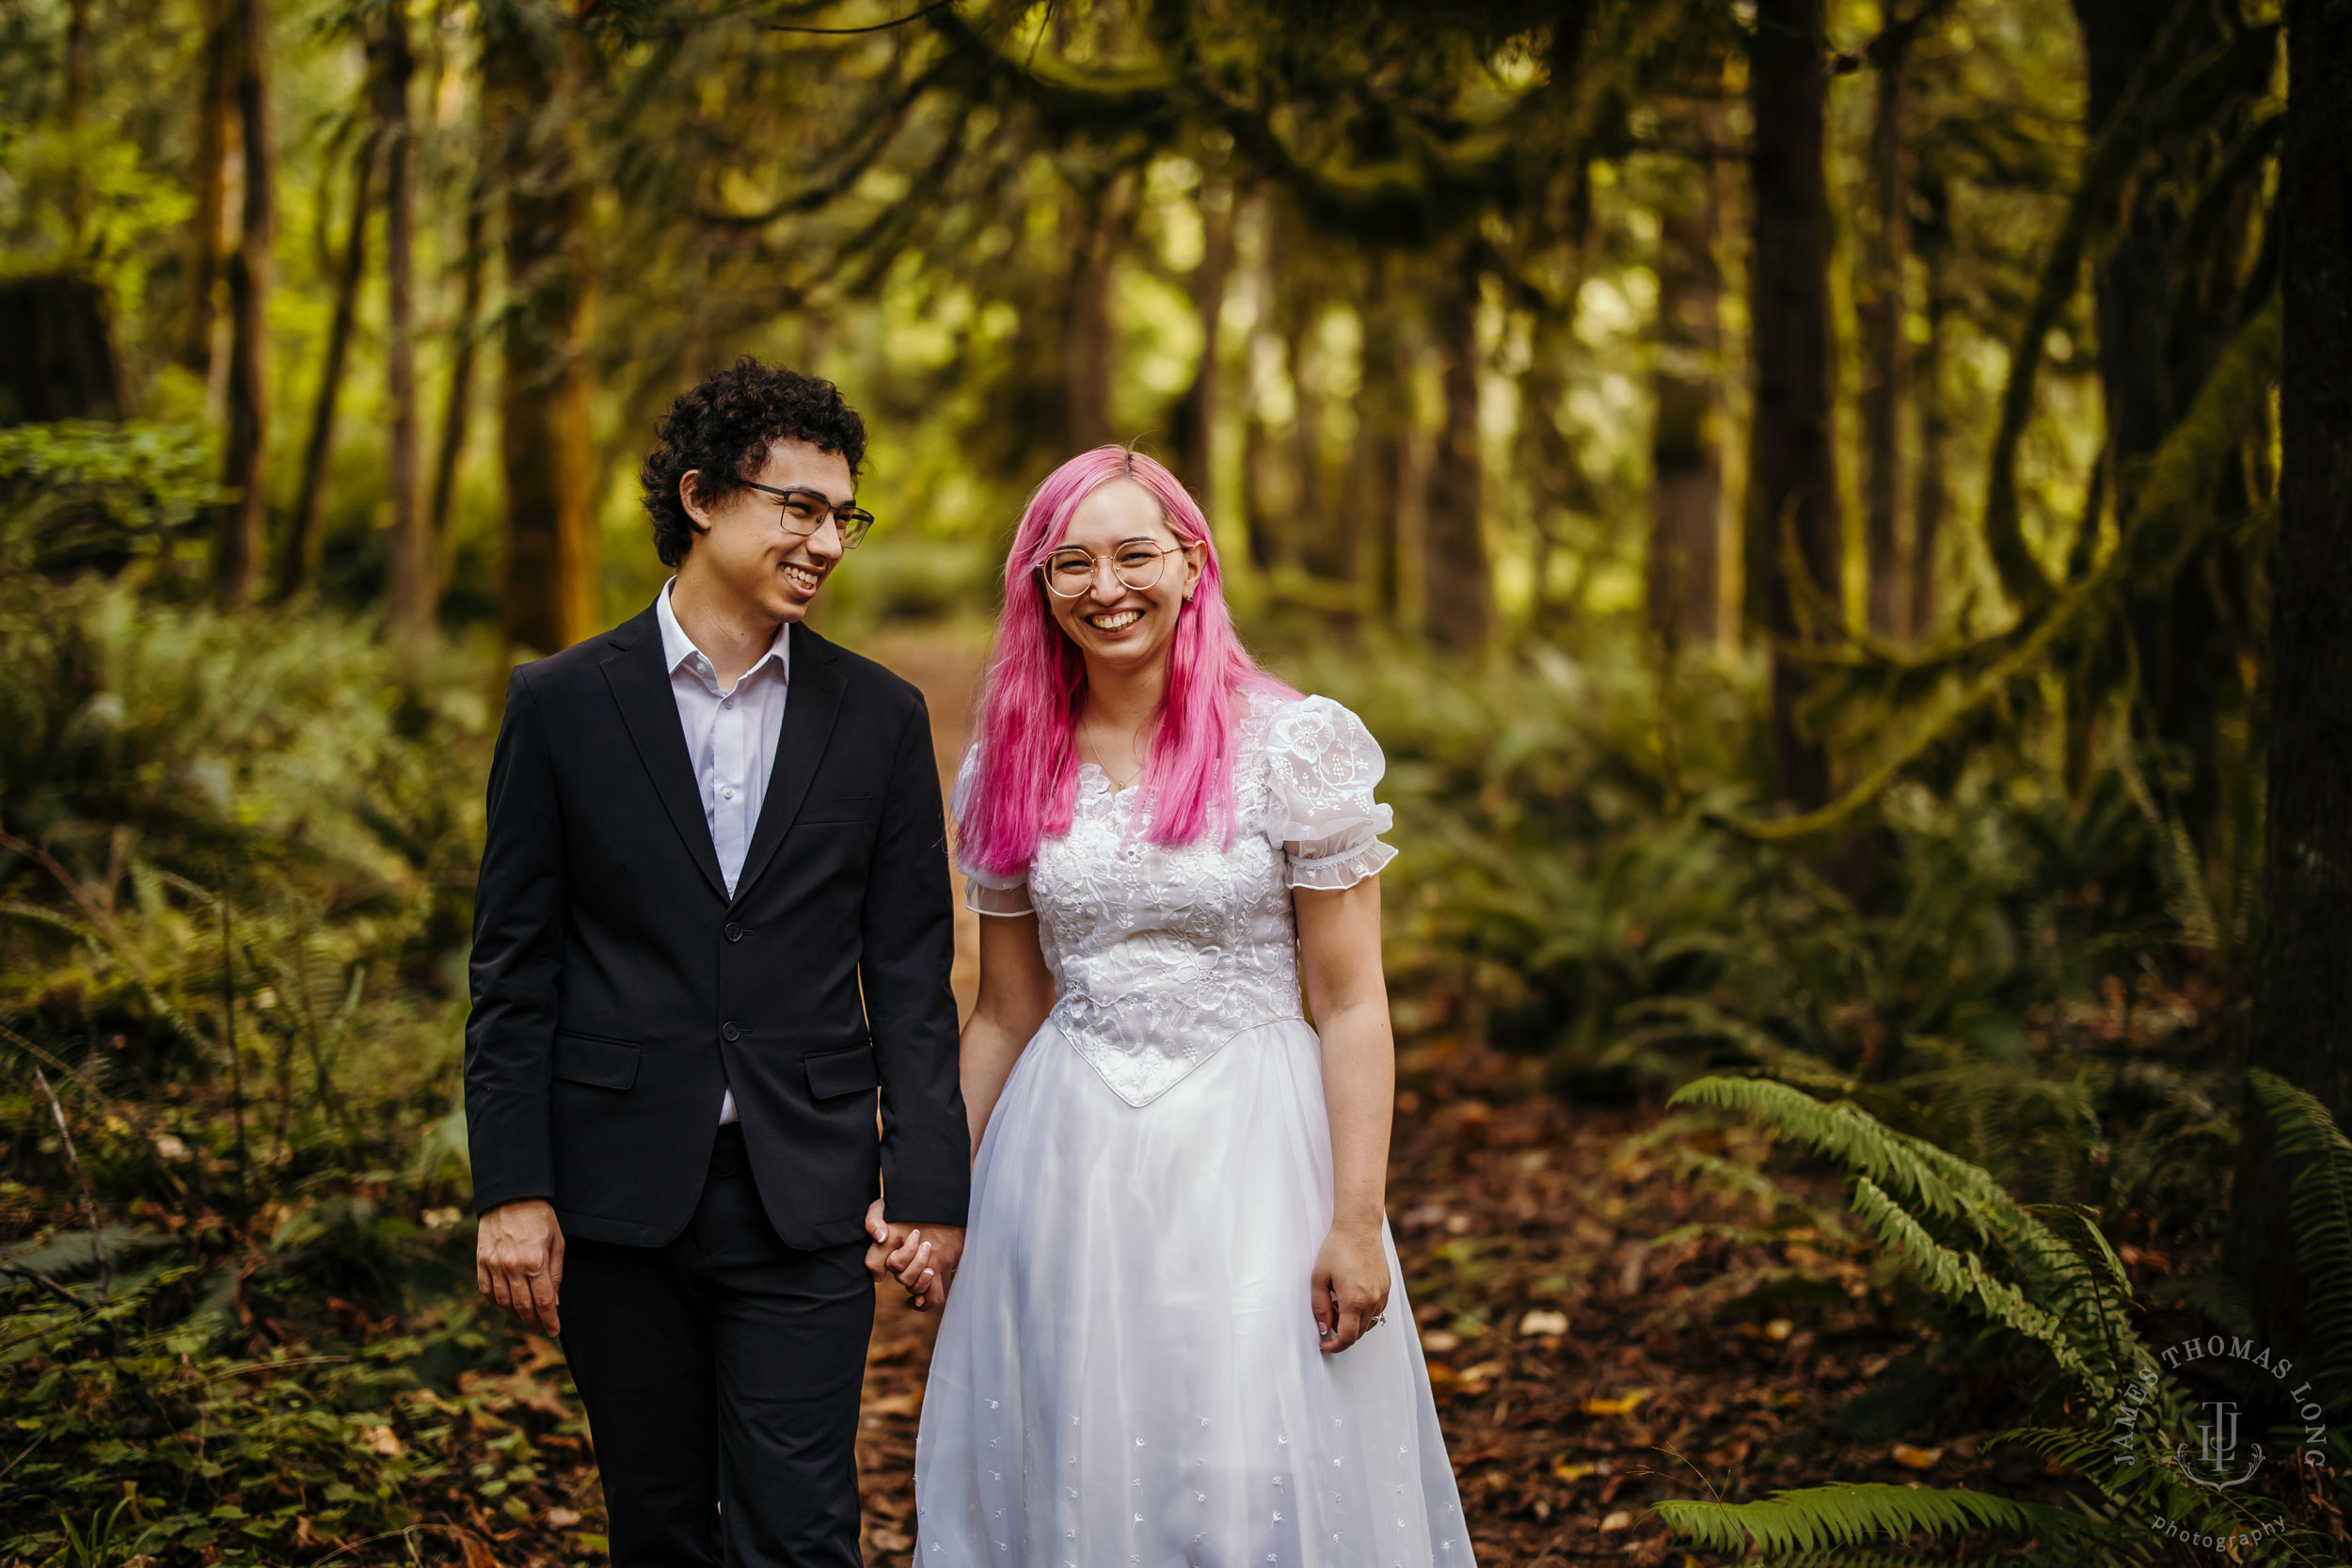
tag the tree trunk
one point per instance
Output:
(216, 75)
(298, 552)
(2303, 992)
(1883, 325)
(76, 101)
(1930, 495)
(1377, 474)
(549, 593)
(1194, 433)
(240, 524)
(2161, 325)
(457, 411)
(1686, 463)
(1457, 579)
(1792, 471)
(413, 580)
(1089, 341)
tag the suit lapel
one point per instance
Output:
(641, 687)
(810, 707)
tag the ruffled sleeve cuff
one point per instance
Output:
(1341, 869)
(984, 894)
(1325, 821)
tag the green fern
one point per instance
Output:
(2321, 1212)
(1847, 1513)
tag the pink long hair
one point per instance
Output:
(1027, 780)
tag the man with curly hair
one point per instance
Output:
(712, 923)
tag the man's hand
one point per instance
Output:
(1351, 1285)
(518, 1260)
(922, 1260)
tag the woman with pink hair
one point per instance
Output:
(1177, 1333)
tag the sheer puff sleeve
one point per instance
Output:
(1325, 820)
(984, 892)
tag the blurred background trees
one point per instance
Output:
(1835, 507)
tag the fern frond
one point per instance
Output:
(1821, 1518)
(2320, 1211)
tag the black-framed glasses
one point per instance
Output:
(803, 512)
(1136, 562)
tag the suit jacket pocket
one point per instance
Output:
(839, 1072)
(586, 1059)
(839, 808)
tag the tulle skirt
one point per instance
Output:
(1127, 1370)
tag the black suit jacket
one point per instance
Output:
(617, 990)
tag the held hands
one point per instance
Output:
(518, 1260)
(1351, 1285)
(923, 1261)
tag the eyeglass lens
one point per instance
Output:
(1135, 564)
(803, 513)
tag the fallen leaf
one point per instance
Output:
(1543, 1321)
(561, 1518)
(1438, 1341)
(1563, 1470)
(1618, 1520)
(478, 1553)
(382, 1440)
(1474, 1379)
(1916, 1459)
(1778, 1329)
(1623, 1404)
(895, 1404)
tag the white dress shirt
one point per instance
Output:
(730, 741)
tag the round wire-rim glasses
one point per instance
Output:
(1136, 562)
(803, 512)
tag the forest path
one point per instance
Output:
(1584, 1368)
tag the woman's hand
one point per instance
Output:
(1351, 1285)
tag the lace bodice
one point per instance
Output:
(1160, 955)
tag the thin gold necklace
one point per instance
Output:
(1117, 784)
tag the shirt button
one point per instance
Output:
(729, 703)
(734, 932)
(726, 792)
(728, 1031)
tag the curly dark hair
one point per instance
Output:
(720, 431)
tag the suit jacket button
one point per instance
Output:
(730, 1031)
(734, 932)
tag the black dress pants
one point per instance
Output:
(721, 1374)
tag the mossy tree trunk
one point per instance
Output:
(213, 106)
(1792, 469)
(414, 581)
(298, 551)
(240, 529)
(529, 83)
(1686, 456)
(1458, 576)
(2303, 992)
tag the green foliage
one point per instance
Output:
(2322, 1219)
(1817, 1518)
(82, 492)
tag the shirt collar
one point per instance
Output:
(677, 648)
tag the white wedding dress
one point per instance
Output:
(1127, 1372)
